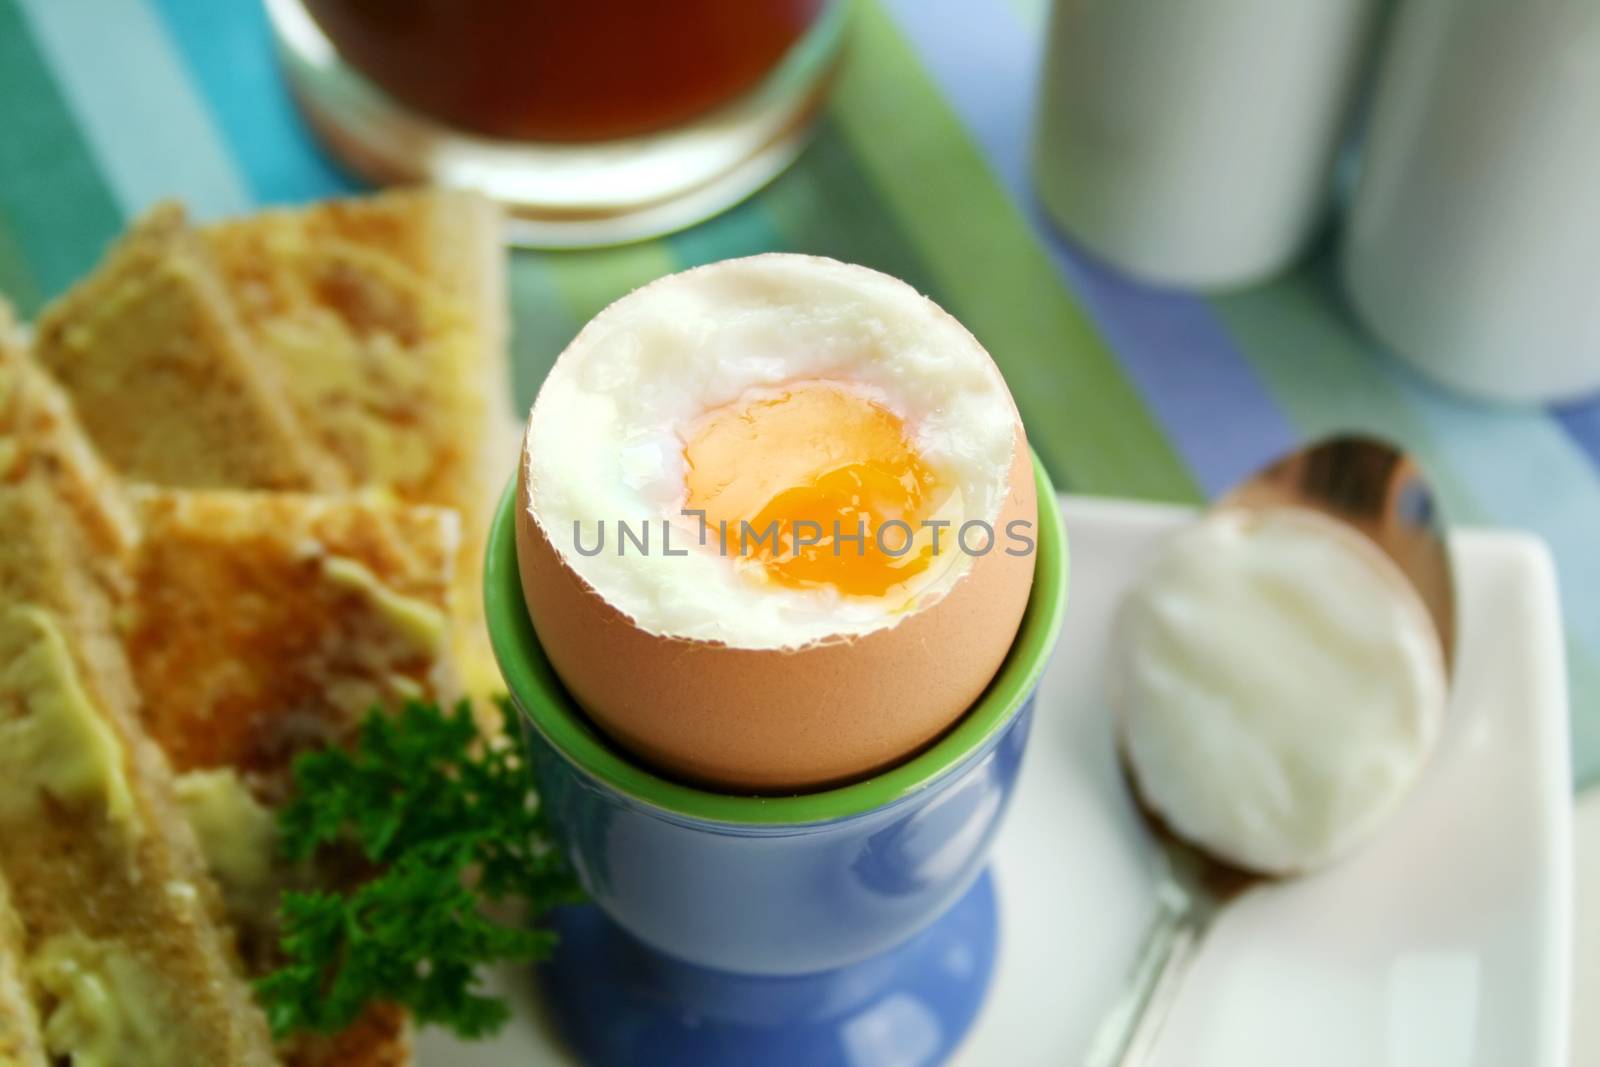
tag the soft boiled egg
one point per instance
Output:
(777, 522)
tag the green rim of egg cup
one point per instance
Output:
(540, 694)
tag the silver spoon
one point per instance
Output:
(1377, 489)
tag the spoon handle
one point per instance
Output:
(1126, 1036)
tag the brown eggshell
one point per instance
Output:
(781, 720)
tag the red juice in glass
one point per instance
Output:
(564, 70)
(593, 120)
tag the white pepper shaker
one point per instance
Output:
(1473, 248)
(1191, 142)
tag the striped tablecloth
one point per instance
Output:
(919, 169)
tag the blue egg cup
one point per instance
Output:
(618, 1002)
(853, 926)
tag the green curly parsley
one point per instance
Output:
(450, 824)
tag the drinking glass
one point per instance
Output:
(594, 121)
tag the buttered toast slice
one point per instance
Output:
(37, 420)
(162, 375)
(125, 956)
(452, 239)
(354, 343)
(386, 316)
(266, 623)
(21, 1043)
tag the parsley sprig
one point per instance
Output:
(450, 823)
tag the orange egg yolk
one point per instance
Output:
(820, 461)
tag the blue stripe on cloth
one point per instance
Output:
(1582, 423)
(1523, 468)
(1179, 356)
(228, 48)
(136, 107)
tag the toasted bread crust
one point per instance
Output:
(380, 1038)
(161, 373)
(130, 881)
(263, 624)
(388, 316)
(346, 344)
(21, 1043)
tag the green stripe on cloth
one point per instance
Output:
(554, 293)
(52, 199)
(17, 286)
(136, 106)
(821, 205)
(540, 327)
(827, 206)
(1082, 413)
(744, 230)
(589, 280)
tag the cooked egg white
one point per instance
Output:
(792, 389)
(1280, 687)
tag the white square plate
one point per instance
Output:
(1443, 944)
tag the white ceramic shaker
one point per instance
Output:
(1190, 142)
(1473, 248)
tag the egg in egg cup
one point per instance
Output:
(778, 778)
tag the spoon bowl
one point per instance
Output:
(1376, 489)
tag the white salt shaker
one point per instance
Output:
(1191, 142)
(1474, 245)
